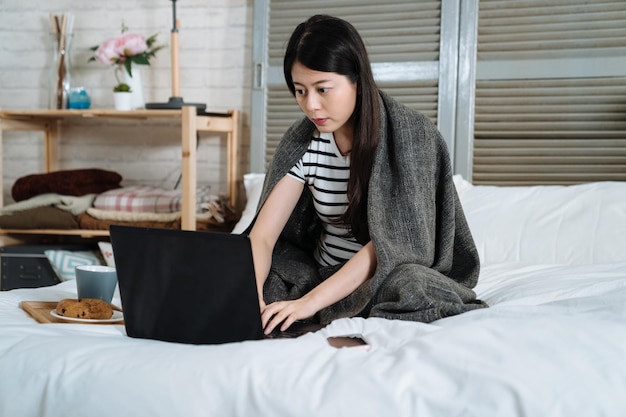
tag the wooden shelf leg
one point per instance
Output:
(51, 135)
(189, 167)
(1, 168)
(232, 151)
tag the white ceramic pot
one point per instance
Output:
(123, 100)
(136, 88)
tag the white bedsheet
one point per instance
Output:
(553, 343)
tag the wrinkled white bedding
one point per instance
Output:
(553, 342)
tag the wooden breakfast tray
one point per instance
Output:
(40, 311)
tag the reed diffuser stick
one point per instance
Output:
(61, 26)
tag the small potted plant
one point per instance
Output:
(122, 96)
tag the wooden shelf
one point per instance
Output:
(86, 233)
(50, 122)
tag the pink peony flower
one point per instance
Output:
(107, 52)
(131, 44)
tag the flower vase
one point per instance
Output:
(122, 100)
(136, 88)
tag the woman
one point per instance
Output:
(359, 214)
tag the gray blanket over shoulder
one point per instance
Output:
(427, 260)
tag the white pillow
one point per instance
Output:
(253, 183)
(576, 224)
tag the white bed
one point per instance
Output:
(553, 342)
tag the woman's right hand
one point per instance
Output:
(282, 314)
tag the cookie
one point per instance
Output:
(86, 308)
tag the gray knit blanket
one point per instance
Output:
(427, 260)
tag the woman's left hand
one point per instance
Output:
(285, 312)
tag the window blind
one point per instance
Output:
(550, 92)
(399, 30)
(399, 35)
(555, 131)
(551, 28)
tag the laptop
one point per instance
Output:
(189, 286)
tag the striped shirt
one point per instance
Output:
(325, 171)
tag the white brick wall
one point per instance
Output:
(215, 68)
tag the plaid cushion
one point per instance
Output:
(148, 199)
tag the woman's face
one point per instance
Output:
(328, 99)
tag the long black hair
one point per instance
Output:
(329, 44)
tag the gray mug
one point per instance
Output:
(96, 281)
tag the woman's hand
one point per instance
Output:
(286, 312)
(339, 285)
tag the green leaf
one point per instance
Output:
(127, 65)
(140, 59)
(151, 40)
